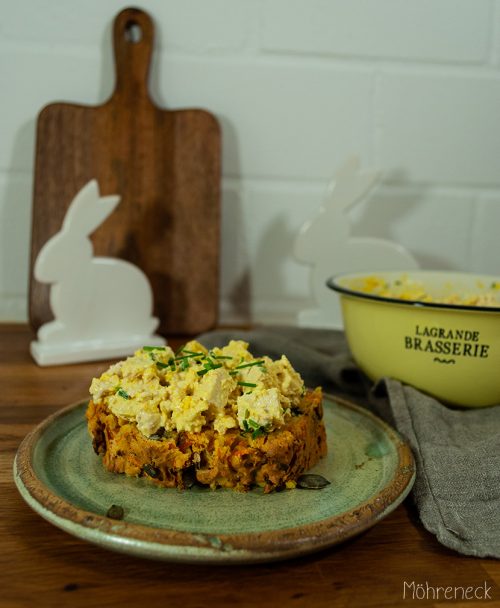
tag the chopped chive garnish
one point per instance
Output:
(251, 426)
(214, 356)
(184, 364)
(121, 393)
(233, 373)
(207, 367)
(150, 348)
(260, 362)
(186, 357)
(161, 365)
(247, 384)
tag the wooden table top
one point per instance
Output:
(44, 566)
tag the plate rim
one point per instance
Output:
(184, 546)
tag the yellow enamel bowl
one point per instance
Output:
(437, 331)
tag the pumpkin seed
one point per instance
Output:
(189, 478)
(312, 482)
(151, 470)
(115, 512)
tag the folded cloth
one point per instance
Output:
(457, 452)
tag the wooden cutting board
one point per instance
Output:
(166, 167)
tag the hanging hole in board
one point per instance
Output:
(133, 32)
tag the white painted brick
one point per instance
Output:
(190, 25)
(426, 30)
(278, 119)
(15, 229)
(288, 122)
(439, 128)
(433, 225)
(485, 243)
(30, 80)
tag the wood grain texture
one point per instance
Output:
(166, 167)
(43, 566)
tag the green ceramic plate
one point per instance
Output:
(370, 468)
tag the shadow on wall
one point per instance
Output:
(235, 282)
(235, 273)
(273, 251)
(372, 219)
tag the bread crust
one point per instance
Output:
(231, 460)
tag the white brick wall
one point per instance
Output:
(298, 86)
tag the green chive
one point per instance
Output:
(161, 365)
(150, 348)
(214, 356)
(261, 362)
(251, 384)
(121, 393)
(251, 426)
(186, 357)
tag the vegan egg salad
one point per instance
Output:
(405, 288)
(185, 391)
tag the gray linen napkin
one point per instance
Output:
(457, 452)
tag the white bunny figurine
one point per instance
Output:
(324, 242)
(102, 306)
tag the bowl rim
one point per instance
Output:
(333, 284)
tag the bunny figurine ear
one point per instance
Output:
(88, 209)
(350, 184)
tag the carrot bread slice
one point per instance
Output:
(219, 418)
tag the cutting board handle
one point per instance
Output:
(133, 34)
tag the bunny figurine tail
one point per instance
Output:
(102, 306)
